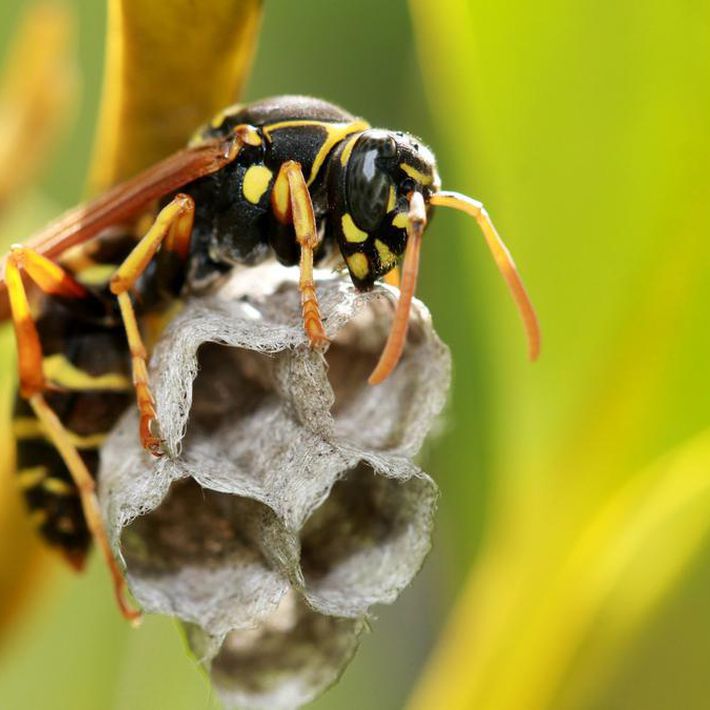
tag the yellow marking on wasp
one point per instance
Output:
(335, 132)
(64, 373)
(387, 258)
(400, 220)
(335, 135)
(197, 138)
(91, 441)
(220, 118)
(30, 477)
(27, 428)
(347, 151)
(38, 518)
(359, 265)
(31, 428)
(58, 487)
(351, 231)
(200, 135)
(95, 274)
(78, 257)
(392, 199)
(416, 175)
(256, 182)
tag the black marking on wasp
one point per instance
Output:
(295, 177)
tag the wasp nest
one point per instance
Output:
(287, 503)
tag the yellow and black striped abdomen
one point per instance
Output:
(87, 362)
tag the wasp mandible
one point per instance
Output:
(293, 177)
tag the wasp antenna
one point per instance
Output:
(398, 332)
(503, 260)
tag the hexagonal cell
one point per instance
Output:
(198, 556)
(366, 541)
(394, 416)
(287, 661)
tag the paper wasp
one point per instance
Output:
(292, 177)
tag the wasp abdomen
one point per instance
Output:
(87, 365)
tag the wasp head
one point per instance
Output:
(374, 177)
(382, 187)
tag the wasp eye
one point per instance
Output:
(368, 180)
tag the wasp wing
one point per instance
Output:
(122, 203)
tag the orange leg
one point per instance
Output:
(53, 280)
(304, 224)
(244, 134)
(173, 226)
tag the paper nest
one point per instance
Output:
(287, 503)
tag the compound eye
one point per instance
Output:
(368, 182)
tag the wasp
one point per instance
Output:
(291, 177)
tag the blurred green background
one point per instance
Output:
(571, 568)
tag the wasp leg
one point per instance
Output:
(53, 280)
(392, 277)
(244, 134)
(173, 229)
(59, 437)
(304, 224)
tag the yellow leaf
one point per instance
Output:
(578, 551)
(37, 92)
(663, 514)
(22, 559)
(169, 67)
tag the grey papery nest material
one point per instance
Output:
(287, 503)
